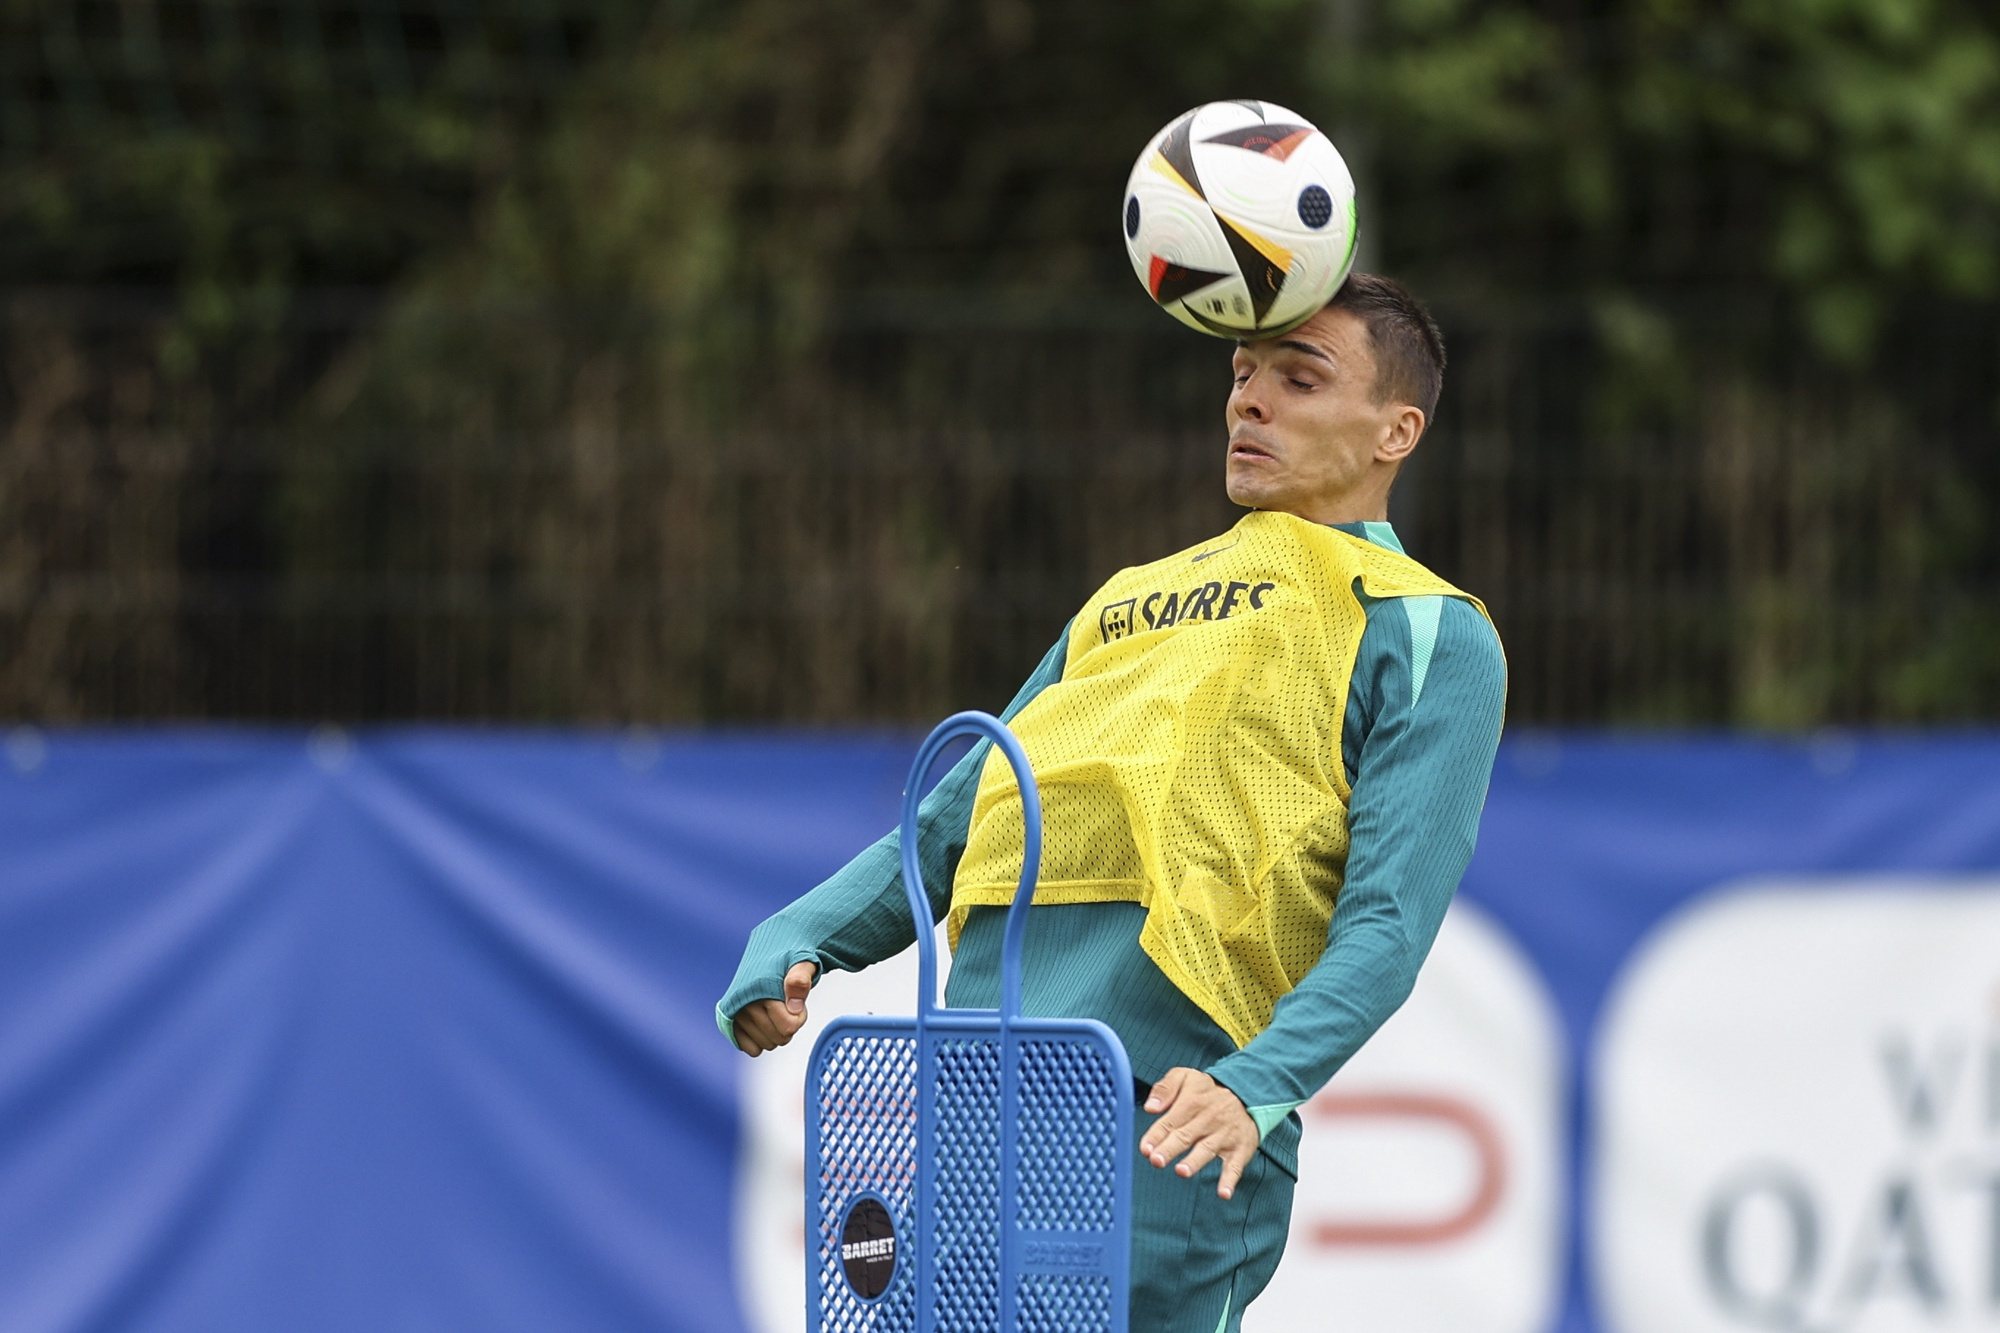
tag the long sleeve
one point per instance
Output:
(1419, 783)
(860, 914)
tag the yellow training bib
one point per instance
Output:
(1190, 758)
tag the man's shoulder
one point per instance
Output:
(1433, 631)
(1466, 631)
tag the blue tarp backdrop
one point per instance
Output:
(412, 1030)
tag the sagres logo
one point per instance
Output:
(1431, 1174)
(1216, 599)
(1799, 1109)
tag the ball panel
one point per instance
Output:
(1174, 153)
(1264, 266)
(1176, 227)
(1267, 139)
(1223, 310)
(1263, 190)
(1317, 274)
(1171, 282)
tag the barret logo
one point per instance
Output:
(1077, 1256)
(868, 1247)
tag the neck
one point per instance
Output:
(1378, 514)
(1339, 509)
(1367, 502)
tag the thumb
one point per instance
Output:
(798, 985)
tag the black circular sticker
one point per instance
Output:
(868, 1247)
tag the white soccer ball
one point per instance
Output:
(1239, 217)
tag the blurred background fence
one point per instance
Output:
(590, 360)
(1783, 554)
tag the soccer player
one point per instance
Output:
(1262, 762)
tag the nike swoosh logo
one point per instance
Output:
(1217, 551)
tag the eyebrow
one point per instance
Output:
(1292, 344)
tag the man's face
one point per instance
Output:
(1304, 428)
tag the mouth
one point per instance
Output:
(1242, 446)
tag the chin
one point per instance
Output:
(1250, 497)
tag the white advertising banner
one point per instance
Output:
(1431, 1175)
(1797, 1102)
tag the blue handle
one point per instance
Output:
(984, 724)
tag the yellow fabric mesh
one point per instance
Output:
(1189, 758)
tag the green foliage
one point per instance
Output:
(1845, 153)
(593, 236)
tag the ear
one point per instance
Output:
(1400, 433)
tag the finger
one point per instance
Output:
(764, 1015)
(1233, 1164)
(1149, 1142)
(1176, 1118)
(784, 1024)
(756, 1020)
(1165, 1142)
(1199, 1156)
(1166, 1090)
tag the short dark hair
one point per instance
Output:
(1408, 346)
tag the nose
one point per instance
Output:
(1246, 400)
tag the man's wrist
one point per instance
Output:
(1223, 1083)
(1267, 1116)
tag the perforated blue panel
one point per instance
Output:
(965, 1226)
(945, 1182)
(1070, 1098)
(864, 1101)
(1061, 1303)
(1001, 1147)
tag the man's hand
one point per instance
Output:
(1203, 1119)
(765, 1025)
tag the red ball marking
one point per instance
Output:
(1284, 148)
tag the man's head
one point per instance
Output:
(1320, 419)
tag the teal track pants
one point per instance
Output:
(1197, 1260)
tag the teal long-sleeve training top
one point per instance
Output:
(1423, 721)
